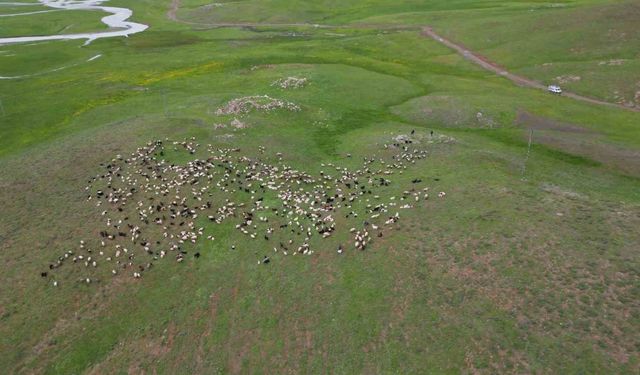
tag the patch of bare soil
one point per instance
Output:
(531, 121)
(554, 189)
(585, 297)
(580, 141)
(264, 66)
(211, 319)
(612, 62)
(567, 79)
(243, 342)
(291, 83)
(625, 160)
(447, 111)
(244, 105)
(137, 352)
(173, 10)
(237, 124)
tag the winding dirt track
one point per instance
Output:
(519, 80)
(427, 31)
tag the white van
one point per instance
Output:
(554, 89)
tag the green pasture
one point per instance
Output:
(55, 22)
(528, 265)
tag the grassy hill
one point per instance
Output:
(528, 265)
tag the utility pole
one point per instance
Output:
(524, 164)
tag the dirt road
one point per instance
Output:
(519, 80)
(427, 32)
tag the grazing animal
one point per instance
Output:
(156, 193)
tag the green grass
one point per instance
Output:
(56, 22)
(517, 270)
(14, 10)
(564, 39)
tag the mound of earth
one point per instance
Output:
(291, 83)
(244, 105)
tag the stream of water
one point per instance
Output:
(116, 20)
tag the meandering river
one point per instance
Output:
(116, 20)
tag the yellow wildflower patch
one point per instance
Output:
(177, 73)
(91, 104)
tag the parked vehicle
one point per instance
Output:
(554, 89)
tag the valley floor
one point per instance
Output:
(522, 259)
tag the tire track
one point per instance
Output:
(518, 80)
(427, 31)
